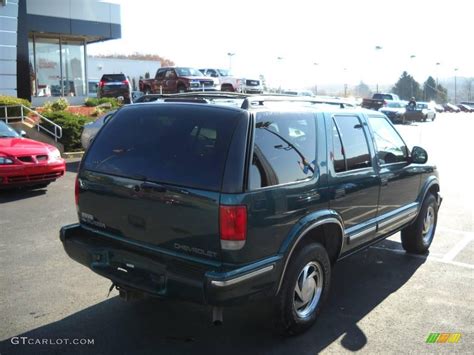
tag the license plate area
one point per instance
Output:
(128, 269)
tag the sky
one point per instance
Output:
(339, 35)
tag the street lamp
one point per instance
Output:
(413, 56)
(378, 49)
(455, 85)
(316, 84)
(345, 82)
(230, 54)
(280, 59)
(437, 74)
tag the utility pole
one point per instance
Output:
(230, 54)
(345, 82)
(280, 59)
(455, 85)
(316, 85)
(412, 77)
(377, 49)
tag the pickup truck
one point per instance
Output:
(171, 80)
(231, 83)
(208, 202)
(379, 100)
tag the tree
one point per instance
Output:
(429, 89)
(407, 87)
(165, 62)
(362, 90)
(441, 94)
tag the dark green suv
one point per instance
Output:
(219, 205)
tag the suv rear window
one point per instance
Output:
(165, 143)
(113, 77)
(284, 149)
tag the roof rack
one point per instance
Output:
(261, 99)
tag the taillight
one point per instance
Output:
(232, 226)
(125, 82)
(76, 191)
(384, 103)
(101, 83)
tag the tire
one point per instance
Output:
(289, 319)
(181, 89)
(417, 237)
(434, 117)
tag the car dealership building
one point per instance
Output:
(43, 45)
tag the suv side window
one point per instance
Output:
(170, 74)
(160, 74)
(284, 149)
(390, 146)
(354, 144)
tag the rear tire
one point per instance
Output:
(304, 290)
(417, 237)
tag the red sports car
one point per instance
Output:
(25, 162)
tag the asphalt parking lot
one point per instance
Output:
(382, 300)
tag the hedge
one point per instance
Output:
(92, 102)
(11, 101)
(72, 126)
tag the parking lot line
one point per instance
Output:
(428, 257)
(450, 255)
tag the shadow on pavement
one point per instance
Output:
(360, 283)
(20, 194)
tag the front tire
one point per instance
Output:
(304, 290)
(417, 237)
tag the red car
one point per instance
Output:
(25, 162)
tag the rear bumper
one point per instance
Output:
(163, 273)
(30, 174)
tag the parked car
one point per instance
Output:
(229, 82)
(170, 80)
(427, 110)
(90, 129)
(379, 100)
(114, 85)
(395, 111)
(222, 205)
(25, 162)
(451, 108)
(439, 108)
(465, 108)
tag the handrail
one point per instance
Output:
(58, 131)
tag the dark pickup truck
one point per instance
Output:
(190, 199)
(378, 100)
(170, 80)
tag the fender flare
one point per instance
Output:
(303, 227)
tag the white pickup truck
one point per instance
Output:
(228, 82)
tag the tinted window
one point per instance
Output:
(390, 147)
(284, 149)
(160, 74)
(382, 97)
(354, 142)
(185, 146)
(113, 77)
(338, 151)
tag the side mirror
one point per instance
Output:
(419, 155)
(22, 133)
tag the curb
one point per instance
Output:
(69, 155)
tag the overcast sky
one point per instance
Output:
(339, 35)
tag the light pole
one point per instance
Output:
(280, 60)
(437, 74)
(230, 54)
(455, 85)
(378, 49)
(413, 56)
(316, 84)
(345, 82)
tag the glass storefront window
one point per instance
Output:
(48, 68)
(57, 67)
(73, 68)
